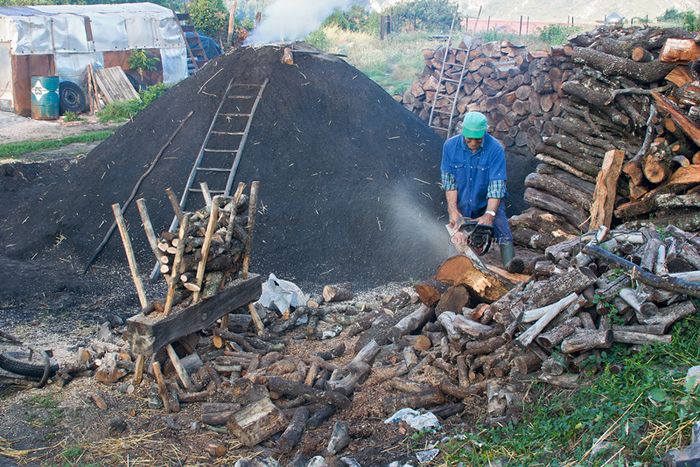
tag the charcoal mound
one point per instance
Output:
(348, 176)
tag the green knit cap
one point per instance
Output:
(474, 125)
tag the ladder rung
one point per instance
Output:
(454, 63)
(221, 150)
(438, 127)
(449, 80)
(212, 169)
(234, 115)
(228, 133)
(437, 111)
(213, 192)
(247, 85)
(241, 97)
(443, 96)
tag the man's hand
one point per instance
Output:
(455, 216)
(486, 219)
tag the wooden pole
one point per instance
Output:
(174, 203)
(252, 209)
(138, 369)
(206, 194)
(527, 26)
(520, 30)
(179, 369)
(202, 266)
(130, 257)
(148, 228)
(231, 22)
(162, 388)
(488, 23)
(174, 274)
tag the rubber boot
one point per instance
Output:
(510, 262)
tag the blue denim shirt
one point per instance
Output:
(473, 172)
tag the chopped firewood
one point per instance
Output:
(256, 422)
(337, 292)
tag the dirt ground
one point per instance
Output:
(14, 128)
(55, 425)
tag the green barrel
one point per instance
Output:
(45, 98)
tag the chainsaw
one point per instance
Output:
(478, 237)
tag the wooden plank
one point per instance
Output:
(114, 85)
(680, 51)
(606, 189)
(148, 334)
(687, 125)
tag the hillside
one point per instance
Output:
(559, 10)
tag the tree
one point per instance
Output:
(426, 15)
(209, 16)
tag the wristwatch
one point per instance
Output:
(491, 213)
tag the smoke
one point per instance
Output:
(291, 20)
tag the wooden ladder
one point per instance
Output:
(195, 50)
(443, 79)
(220, 154)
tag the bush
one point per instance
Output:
(355, 19)
(318, 39)
(691, 21)
(556, 34)
(209, 16)
(424, 15)
(126, 110)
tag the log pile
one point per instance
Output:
(220, 231)
(634, 90)
(467, 336)
(518, 90)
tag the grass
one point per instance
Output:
(126, 110)
(395, 62)
(10, 150)
(392, 63)
(632, 413)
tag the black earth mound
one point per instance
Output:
(349, 178)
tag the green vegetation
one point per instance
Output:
(690, 20)
(556, 34)
(209, 16)
(126, 110)
(424, 15)
(72, 453)
(17, 149)
(638, 408)
(71, 117)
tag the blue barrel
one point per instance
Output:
(45, 98)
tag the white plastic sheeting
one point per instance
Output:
(174, 63)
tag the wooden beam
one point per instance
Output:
(606, 189)
(147, 335)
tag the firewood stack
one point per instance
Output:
(634, 90)
(518, 90)
(226, 246)
(461, 335)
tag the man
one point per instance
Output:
(474, 179)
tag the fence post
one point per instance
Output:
(527, 26)
(520, 30)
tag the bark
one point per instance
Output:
(549, 313)
(454, 299)
(337, 292)
(292, 435)
(665, 283)
(639, 338)
(606, 189)
(430, 291)
(556, 335)
(484, 347)
(256, 422)
(411, 322)
(426, 398)
(542, 200)
(295, 389)
(587, 340)
(587, 166)
(612, 66)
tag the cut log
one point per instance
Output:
(454, 299)
(546, 317)
(555, 336)
(575, 280)
(484, 347)
(412, 322)
(557, 188)
(689, 128)
(430, 291)
(584, 340)
(640, 54)
(612, 66)
(680, 51)
(639, 338)
(256, 422)
(666, 283)
(295, 389)
(669, 315)
(606, 189)
(292, 435)
(540, 199)
(565, 167)
(337, 292)
(470, 272)
(426, 398)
